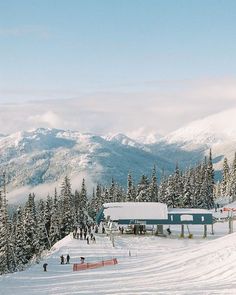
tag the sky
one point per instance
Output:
(131, 66)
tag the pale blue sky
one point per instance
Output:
(76, 46)
(170, 50)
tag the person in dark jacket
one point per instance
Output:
(87, 239)
(67, 259)
(169, 231)
(62, 259)
(82, 260)
(45, 266)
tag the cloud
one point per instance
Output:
(48, 119)
(20, 195)
(160, 109)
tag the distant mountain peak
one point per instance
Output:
(213, 129)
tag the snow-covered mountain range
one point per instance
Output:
(48, 155)
(45, 156)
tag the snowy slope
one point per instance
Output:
(156, 266)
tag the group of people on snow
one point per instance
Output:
(63, 259)
(85, 232)
(81, 232)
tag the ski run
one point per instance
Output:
(147, 264)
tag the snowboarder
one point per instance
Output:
(45, 266)
(62, 259)
(67, 259)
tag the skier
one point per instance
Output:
(87, 240)
(103, 230)
(67, 259)
(62, 259)
(45, 266)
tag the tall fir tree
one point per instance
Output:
(143, 190)
(130, 195)
(67, 207)
(225, 179)
(154, 186)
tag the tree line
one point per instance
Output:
(32, 228)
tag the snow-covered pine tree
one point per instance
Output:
(187, 199)
(196, 183)
(19, 240)
(233, 180)
(112, 191)
(42, 232)
(92, 206)
(170, 192)
(83, 201)
(162, 189)
(30, 224)
(130, 196)
(217, 190)
(178, 187)
(7, 258)
(206, 199)
(99, 200)
(225, 179)
(105, 196)
(210, 182)
(5, 251)
(120, 194)
(154, 186)
(54, 232)
(48, 213)
(143, 191)
(67, 222)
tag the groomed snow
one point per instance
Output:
(156, 266)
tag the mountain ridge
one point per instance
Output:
(45, 155)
